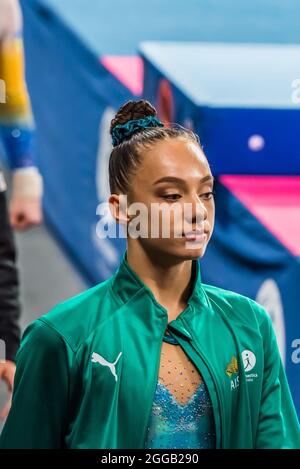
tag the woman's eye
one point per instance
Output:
(207, 195)
(171, 196)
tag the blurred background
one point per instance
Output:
(228, 69)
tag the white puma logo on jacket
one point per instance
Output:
(96, 358)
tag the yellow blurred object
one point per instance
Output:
(17, 102)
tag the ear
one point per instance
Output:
(118, 208)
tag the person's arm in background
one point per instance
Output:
(17, 133)
(16, 122)
(9, 301)
(42, 397)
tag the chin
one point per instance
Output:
(191, 253)
(176, 250)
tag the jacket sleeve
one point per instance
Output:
(39, 411)
(9, 287)
(278, 426)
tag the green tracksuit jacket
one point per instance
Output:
(87, 371)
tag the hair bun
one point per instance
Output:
(132, 110)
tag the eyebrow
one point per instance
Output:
(176, 180)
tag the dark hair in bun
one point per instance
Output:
(132, 110)
(131, 138)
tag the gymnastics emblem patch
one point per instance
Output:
(249, 360)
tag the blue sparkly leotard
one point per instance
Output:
(174, 425)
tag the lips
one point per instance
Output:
(195, 235)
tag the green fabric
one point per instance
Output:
(65, 396)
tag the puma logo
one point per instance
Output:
(96, 358)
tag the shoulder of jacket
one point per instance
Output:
(239, 307)
(39, 335)
(76, 318)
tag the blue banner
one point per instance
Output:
(74, 99)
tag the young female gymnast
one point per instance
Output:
(152, 357)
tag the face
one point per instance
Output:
(174, 184)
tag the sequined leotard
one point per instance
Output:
(185, 421)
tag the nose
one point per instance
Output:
(196, 213)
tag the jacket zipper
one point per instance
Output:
(155, 382)
(210, 370)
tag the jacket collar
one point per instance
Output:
(126, 283)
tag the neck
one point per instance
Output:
(169, 279)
